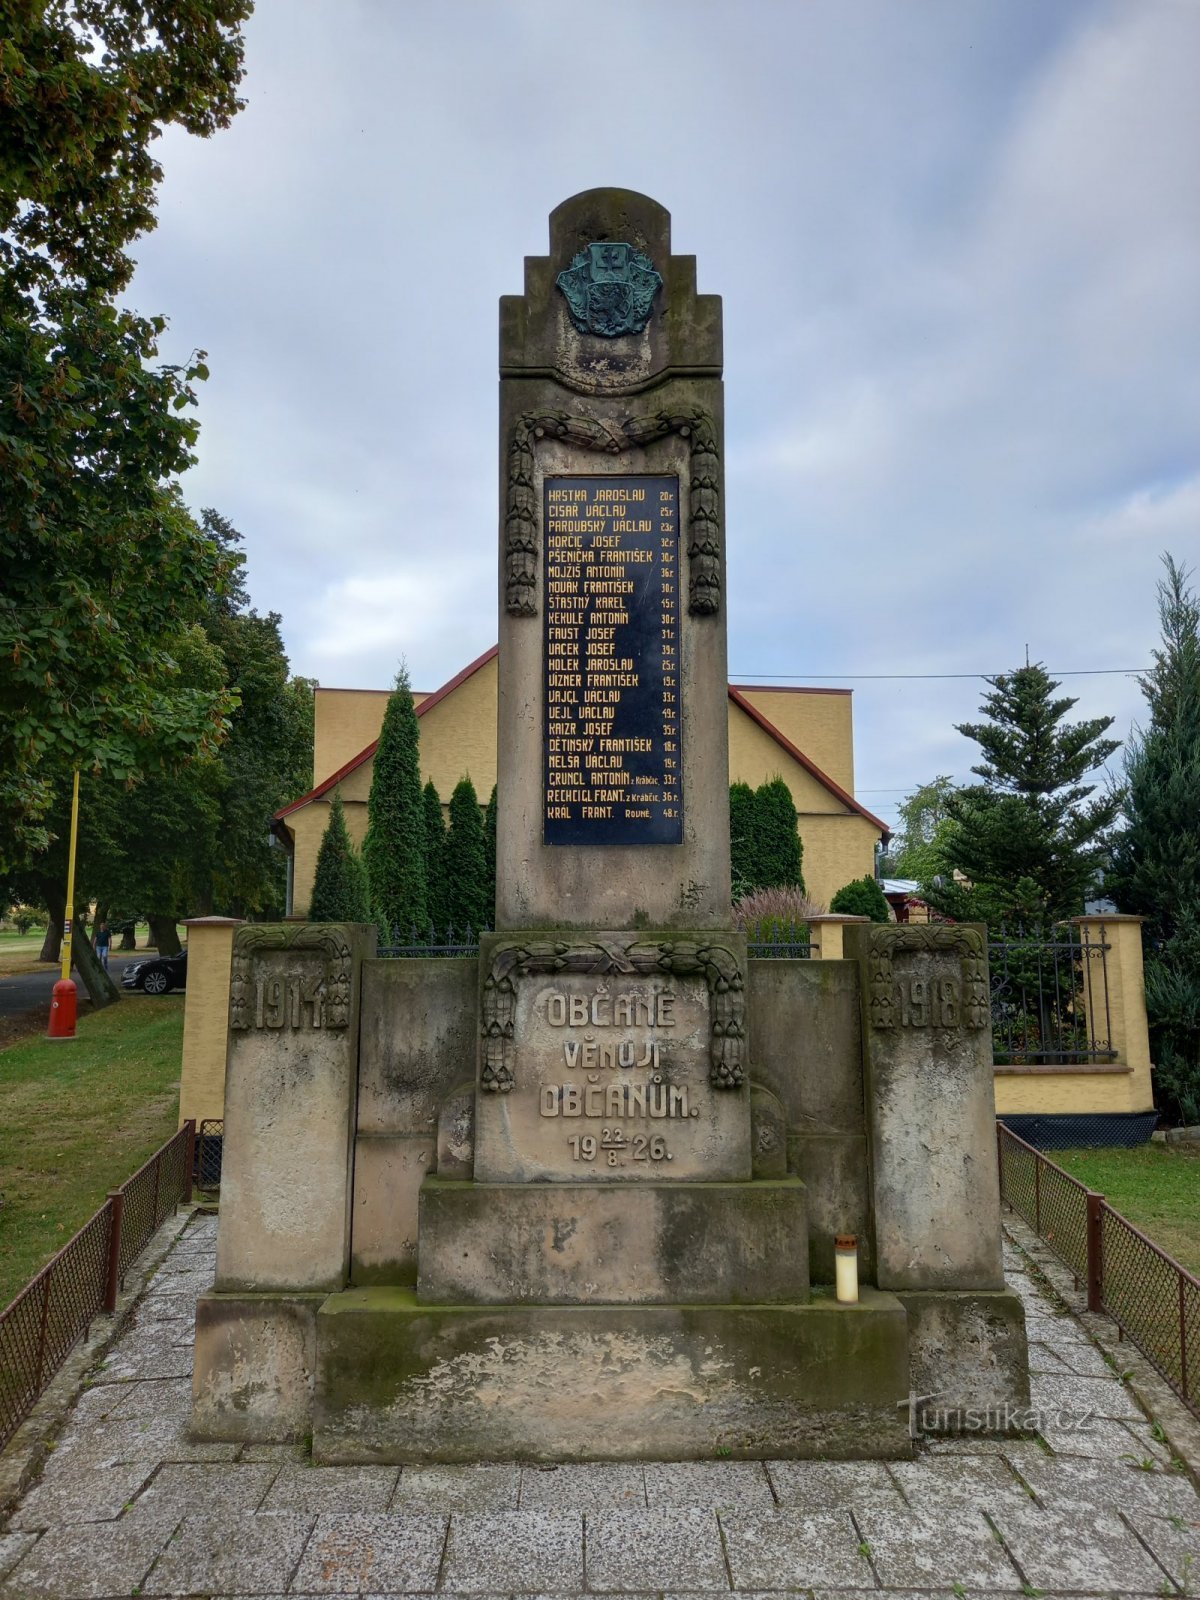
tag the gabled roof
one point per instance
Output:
(735, 695)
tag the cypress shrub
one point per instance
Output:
(466, 861)
(435, 856)
(489, 844)
(394, 850)
(340, 885)
(777, 844)
(743, 858)
(862, 898)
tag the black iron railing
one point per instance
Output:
(1049, 997)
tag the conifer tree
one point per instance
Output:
(489, 844)
(466, 861)
(1028, 840)
(861, 898)
(394, 850)
(435, 857)
(743, 840)
(778, 851)
(1157, 859)
(340, 885)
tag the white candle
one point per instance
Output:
(845, 1261)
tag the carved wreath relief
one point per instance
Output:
(717, 965)
(917, 1002)
(590, 433)
(262, 999)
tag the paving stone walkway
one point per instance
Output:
(128, 1506)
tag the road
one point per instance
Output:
(28, 990)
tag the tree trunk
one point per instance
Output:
(96, 981)
(163, 936)
(56, 902)
(128, 941)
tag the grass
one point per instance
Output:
(19, 952)
(1156, 1186)
(76, 1119)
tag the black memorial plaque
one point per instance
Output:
(613, 762)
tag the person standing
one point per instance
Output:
(102, 939)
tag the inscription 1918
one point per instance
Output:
(612, 742)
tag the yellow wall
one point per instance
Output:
(458, 736)
(206, 1018)
(818, 721)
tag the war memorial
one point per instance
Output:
(579, 1199)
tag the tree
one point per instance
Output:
(102, 566)
(466, 862)
(394, 850)
(743, 840)
(919, 844)
(490, 818)
(1028, 842)
(1156, 868)
(435, 857)
(340, 885)
(778, 851)
(861, 898)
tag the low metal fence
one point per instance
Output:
(56, 1309)
(210, 1143)
(1153, 1300)
(1049, 997)
(431, 941)
(776, 941)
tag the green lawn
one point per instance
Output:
(19, 951)
(77, 1118)
(1156, 1186)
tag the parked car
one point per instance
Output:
(157, 974)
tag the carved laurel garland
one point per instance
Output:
(937, 939)
(590, 433)
(681, 958)
(326, 937)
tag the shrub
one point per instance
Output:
(862, 898)
(466, 862)
(394, 850)
(775, 916)
(340, 885)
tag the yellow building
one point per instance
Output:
(804, 736)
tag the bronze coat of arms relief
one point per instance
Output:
(609, 289)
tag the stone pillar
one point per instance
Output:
(927, 1043)
(827, 933)
(1114, 997)
(290, 1093)
(610, 385)
(206, 1017)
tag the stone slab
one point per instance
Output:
(214, 1555)
(786, 1550)
(290, 1088)
(583, 1486)
(388, 1172)
(360, 1553)
(969, 1360)
(632, 1550)
(417, 1041)
(255, 1359)
(535, 1552)
(92, 1561)
(835, 1172)
(399, 1381)
(604, 1072)
(645, 1244)
(808, 1042)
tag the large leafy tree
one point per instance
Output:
(103, 569)
(1157, 859)
(919, 845)
(1028, 843)
(394, 849)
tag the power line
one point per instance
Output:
(837, 677)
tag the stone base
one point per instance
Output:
(969, 1359)
(613, 1244)
(398, 1381)
(254, 1366)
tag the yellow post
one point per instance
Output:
(827, 935)
(68, 920)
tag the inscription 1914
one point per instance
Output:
(612, 742)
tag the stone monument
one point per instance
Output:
(580, 1201)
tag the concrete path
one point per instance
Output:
(126, 1505)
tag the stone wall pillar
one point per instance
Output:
(206, 1017)
(827, 933)
(1114, 997)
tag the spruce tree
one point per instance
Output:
(466, 862)
(435, 857)
(743, 840)
(777, 844)
(1156, 870)
(394, 850)
(340, 885)
(489, 844)
(1028, 840)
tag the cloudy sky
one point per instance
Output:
(958, 243)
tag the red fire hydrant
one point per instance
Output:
(62, 1010)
